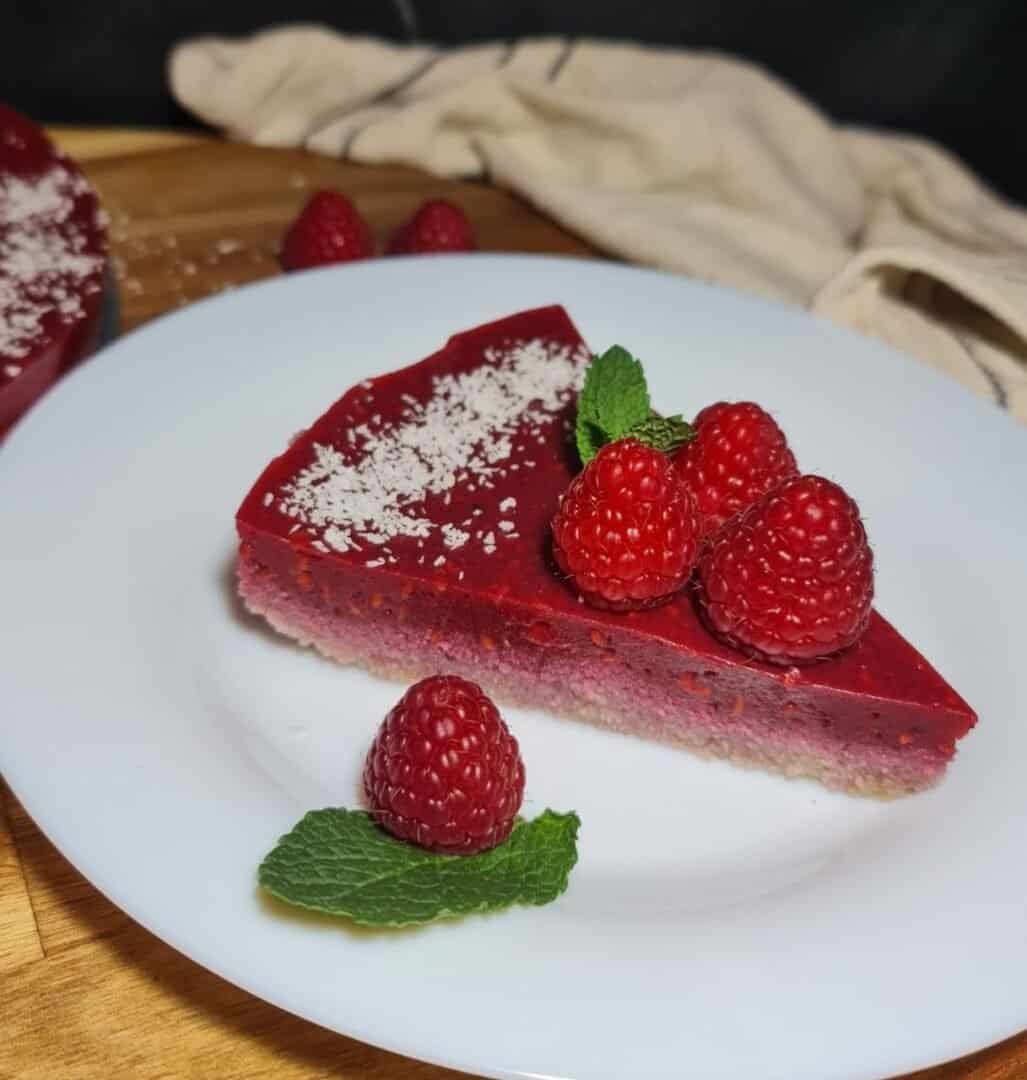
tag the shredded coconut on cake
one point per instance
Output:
(462, 433)
(454, 537)
(43, 257)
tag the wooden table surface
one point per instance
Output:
(84, 991)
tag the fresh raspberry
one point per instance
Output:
(626, 532)
(444, 771)
(438, 226)
(328, 230)
(738, 454)
(791, 580)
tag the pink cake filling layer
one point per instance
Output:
(391, 636)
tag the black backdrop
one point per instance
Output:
(950, 69)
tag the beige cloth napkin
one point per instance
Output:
(688, 161)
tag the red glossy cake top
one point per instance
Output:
(434, 468)
(450, 471)
(51, 245)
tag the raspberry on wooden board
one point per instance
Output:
(329, 230)
(438, 226)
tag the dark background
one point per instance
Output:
(949, 69)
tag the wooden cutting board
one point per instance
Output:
(85, 992)
(206, 216)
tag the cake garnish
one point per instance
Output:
(339, 862)
(626, 532)
(791, 580)
(444, 781)
(614, 402)
(738, 454)
(786, 573)
(444, 771)
(392, 480)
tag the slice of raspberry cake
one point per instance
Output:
(52, 259)
(408, 531)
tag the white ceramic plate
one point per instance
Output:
(720, 923)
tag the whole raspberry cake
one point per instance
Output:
(408, 531)
(52, 259)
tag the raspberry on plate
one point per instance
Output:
(444, 772)
(737, 456)
(791, 580)
(437, 226)
(329, 229)
(626, 532)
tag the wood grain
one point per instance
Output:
(86, 993)
(206, 217)
(93, 144)
(20, 941)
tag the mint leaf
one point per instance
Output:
(664, 433)
(590, 439)
(338, 861)
(614, 398)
